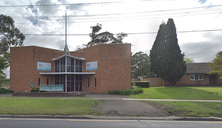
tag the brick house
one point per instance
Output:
(196, 75)
(95, 69)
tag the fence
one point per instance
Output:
(51, 87)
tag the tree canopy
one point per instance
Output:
(103, 37)
(9, 36)
(216, 65)
(188, 60)
(166, 58)
(140, 62)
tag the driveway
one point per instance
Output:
(128, 108)
(113, 105)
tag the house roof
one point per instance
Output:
(197, 68)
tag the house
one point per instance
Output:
(196, 75)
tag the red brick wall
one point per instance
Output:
(185, 81)
(21, 68)
(154, 81)
(114, 67)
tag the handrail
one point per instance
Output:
(51, 87)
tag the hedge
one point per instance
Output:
(5, 91)
(126, 91)
(145, 84)
(35, 89)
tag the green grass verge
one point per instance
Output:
(191, 109)
(48, 106)
(189, 93)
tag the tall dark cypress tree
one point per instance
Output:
(165, 56)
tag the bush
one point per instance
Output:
(5, 91)
(126, 91)
(35, 89)
(145, 84)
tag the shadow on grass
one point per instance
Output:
(189, 93)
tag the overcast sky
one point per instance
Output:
(143, 17)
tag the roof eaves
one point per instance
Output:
(54, 59)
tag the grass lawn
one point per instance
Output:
(191, 109)
(48, 107)
(189, 93)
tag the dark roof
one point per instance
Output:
(197, 68)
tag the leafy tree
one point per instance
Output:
(140, 62)
(9, 36)
(188, 60)
(216, 65)
(165, 56)
(104, 37)
(3, 81)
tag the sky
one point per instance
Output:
(198, 22)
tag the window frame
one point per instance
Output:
(196, 77)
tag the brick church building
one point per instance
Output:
(95, 69)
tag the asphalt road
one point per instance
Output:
(78, 123)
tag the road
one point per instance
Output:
(82, 123)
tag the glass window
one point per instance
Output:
(68, 61)
(80, 69)
(39, 81)
(77, 62)
(88, 82)
(192, 77)
(59, 65)
(200, 77)
(47, 81)
(95, 82)
(72, 61)
(80, 63)
(196, 77)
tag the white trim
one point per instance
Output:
(192, 75)
(54, 59)
(68, 73)
(198, 75)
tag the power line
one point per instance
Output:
(139, 33)
(74, 4)
(143, 12)
(111, 19)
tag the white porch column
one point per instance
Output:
(66, 74)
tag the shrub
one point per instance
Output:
(126, 91)
(35, 89)
(5, 91)
(145, 84)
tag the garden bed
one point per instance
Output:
(48, 94)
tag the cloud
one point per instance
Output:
(49, 10)
(202, 1)
(203, 51)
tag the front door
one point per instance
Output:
(210, 80)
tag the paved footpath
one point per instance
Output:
(103, 97)
(126, 99)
